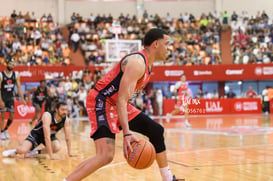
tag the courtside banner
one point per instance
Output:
(213, 72)
(23, 111)
(37, 73)
(160, 73)
(246, 105)
(216, 106)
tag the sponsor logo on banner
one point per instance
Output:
(173, 72)
(212, 106)
(234, 72)
(24, 73)
(268, 70)
(246, 106)
(202, 72)
(24, 110)
(258, 70)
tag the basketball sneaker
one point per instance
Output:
(3, 136)
(168, 117)
(175, 179)
(187, 124)
(6, 134)
(9, 153)
(32, 154)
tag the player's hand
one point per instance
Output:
(127, 140)
(73, 155)
(54, 157)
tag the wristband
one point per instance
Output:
(127, 135)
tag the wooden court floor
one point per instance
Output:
(215, 148)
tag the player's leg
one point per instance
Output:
(37, 113)
(22, 149)
(155, 132)
(10, 109)
(105, 150)
(3, 136)
(186, 110)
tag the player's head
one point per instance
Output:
(159, 40)
(183, 77)
(42, 83)
(61, 109)
(10, 64)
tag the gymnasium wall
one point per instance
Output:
(38, 6)
(174, 7)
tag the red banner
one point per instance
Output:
(213, 72)
(22, 111)
(217, 106)
(160, 73)
(37, 73)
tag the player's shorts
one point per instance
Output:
(181, 103)
(102, 112)
(9, 106)
(37, 105)
(36, 140)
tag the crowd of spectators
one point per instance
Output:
(193, 41)
(32, 41)
(252, 38)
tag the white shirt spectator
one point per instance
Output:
(265, 95)
(16, 45)
(38, 52)
(186, 18)
(36, 35)
(266, 59)
(75, 37)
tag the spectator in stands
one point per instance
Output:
(75, 39)
(265, 100)
(251, 93)
(230, 94)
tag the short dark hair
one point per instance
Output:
(152, 35)
(61, 103)
(41, 81)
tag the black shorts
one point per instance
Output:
(141, 124)
(9, 106)
(37, 104)
(36, 140)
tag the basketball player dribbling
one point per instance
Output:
(108, 108)
(183, 93)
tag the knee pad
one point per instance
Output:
(156, 137)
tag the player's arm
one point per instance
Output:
(2, 105)
(133, 68)
(46, 118)
(29, 92)
(18, 84)
(67, 137)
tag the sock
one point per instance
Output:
(64, 179)
(8, 124)
(166, 174)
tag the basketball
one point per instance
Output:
(143, 154)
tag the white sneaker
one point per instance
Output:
(168, 117)
(187, 124)
(31, 154)
(6, 134)
(3, 136)
(9, 153)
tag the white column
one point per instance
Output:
(60, 13)
(139, 8)
(218, 5)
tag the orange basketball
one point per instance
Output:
(143, 154)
